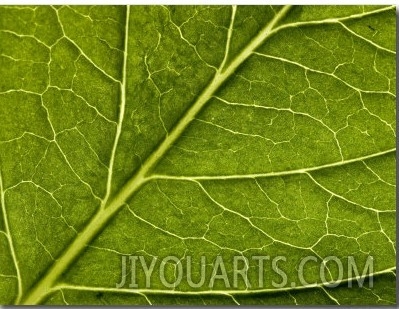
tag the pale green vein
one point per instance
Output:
(248, 219)
(8, 276)
(82, 52)
(330, 296)
(378, 176)
(340, 22)
(290, 110)
(63, 298)
(9, 238)
(340, 196)
(212, 292)
(73, 170)
(194, 47)
(181, 238)
(84, 100)
(229, 35)
(122, 108)
(321, 72)
(239, 133)
(26, 36)
(365, 39)
(393, 244)
(87, 143)
(275, 174)
(26, 133)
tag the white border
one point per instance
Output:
(200, 2)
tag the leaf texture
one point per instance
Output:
(195, 131)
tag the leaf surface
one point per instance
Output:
(196, 131)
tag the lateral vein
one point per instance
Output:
(211, 292)
(274, 174)
(228, 39)
(121, 111)
(9, 238)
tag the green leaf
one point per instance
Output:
(195, 132)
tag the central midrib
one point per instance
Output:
(41, 289)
